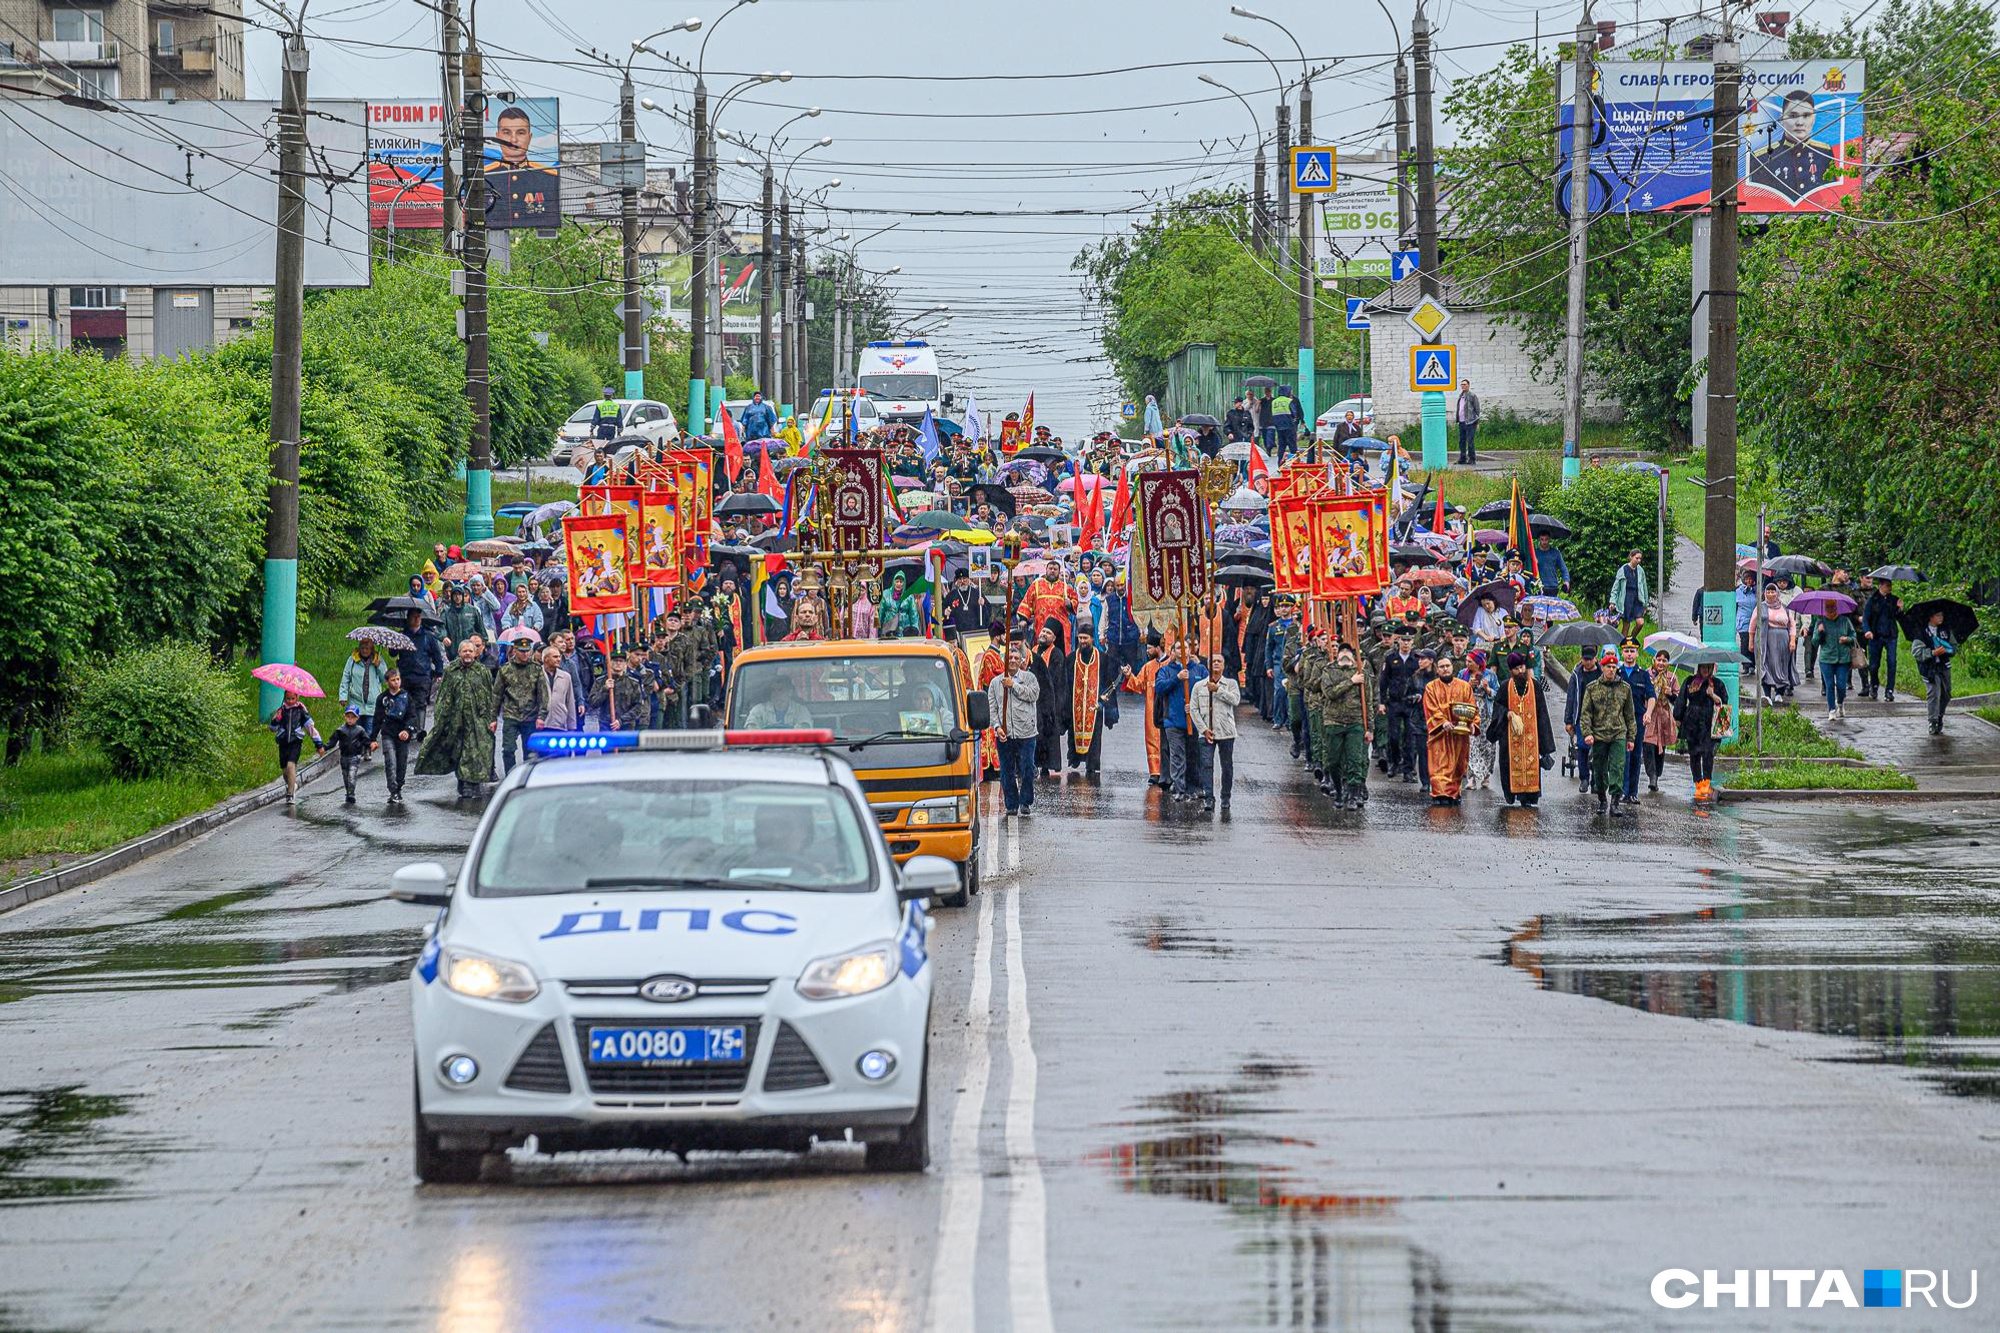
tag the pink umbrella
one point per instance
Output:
(1091, 482)
(1490, 537)
(286, 676)
(905, 483)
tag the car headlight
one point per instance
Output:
(857, 973)
(944, 810)
(483, 977)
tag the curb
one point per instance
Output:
(1891, 797)
(100, 864)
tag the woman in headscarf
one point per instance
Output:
(1775, 632)
(1479, 762)
(778, 606)
(900, 614)
(1660, 731)
(1488, 624)
(1702, 703)
(1153, 424)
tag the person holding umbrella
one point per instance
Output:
(293, 726)
(361, 682)
(1878, 635)
(1835, 636)
(1701, 703)
(1934, 645)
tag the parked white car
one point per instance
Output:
(636, 416)
(1363, 408)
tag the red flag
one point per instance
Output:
(767, 480)
(1437, 519)
(1090, 515)
(732, 447)
(1258, 467)
(1121, 506)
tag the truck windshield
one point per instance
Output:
(858, 697)
(901, 387)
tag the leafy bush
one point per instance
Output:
(159, 709)
(1610, 513)
(1540, 474)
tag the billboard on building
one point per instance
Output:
(1802, 135)
(177, 194)
(523, 161)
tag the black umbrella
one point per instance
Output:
(725, 550)
(1897, 574)
(775, 541)
(1241, 555)
(1260, 382)
(1578, 634)
(1243, 576)
(1199, 419)
(1549, 523)
(1412, 554)
(1039, 453)
(1493, 509)
(747, 502)
(1960, 621)
(998, 496)
(1797, 565)
(394, 612)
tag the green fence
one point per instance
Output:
(1195, 383)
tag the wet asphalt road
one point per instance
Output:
(1417, 1069)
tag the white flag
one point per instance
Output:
(972, 424)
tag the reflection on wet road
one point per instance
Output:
(1191, 1072)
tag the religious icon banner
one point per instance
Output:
(1174, 526)
(1291, 544)
(659, 541)
(595, 547)
(855, 495)
(622, 501)
(1344, 547)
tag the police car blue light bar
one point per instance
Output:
(612, 742)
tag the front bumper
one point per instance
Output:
(779, 1097)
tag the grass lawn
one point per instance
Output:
(1686, 498)
(1802, 775)
(1509, 434)
(1788, 734)
(1990, 712)
(62, 804)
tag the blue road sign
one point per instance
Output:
(1402, 264)
(1357, 312)
(1313, 171)
(1433, 368)
(1130, 411)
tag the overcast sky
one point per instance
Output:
(1048, 130)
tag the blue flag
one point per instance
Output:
(927, 439)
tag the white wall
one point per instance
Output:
(1490, 354)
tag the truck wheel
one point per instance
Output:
(968, 883)
(437, 1165)
(911, 1152)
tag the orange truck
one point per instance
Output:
(906, 716)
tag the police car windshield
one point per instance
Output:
(910, 698)
(923, 387)
(601, 837)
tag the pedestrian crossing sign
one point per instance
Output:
(1314, 171)
(1433, 368)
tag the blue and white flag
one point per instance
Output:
(974, 430)
(927, 439)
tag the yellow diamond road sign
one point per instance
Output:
(1428, 318)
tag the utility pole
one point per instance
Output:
(1427, 223)
(1308, 276)
(1260, 222)
(697, 421)
(1718, 599)
(1402, 151)
(628, 216)
(1580, 133)
(1719, 512)
(802, 390)
(766, 359)
(478, 384)
(281, 522)
(453, 97)
(1284, 208)
(782, 348)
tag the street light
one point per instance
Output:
(1257, 211)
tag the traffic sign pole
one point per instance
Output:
(1435, 455)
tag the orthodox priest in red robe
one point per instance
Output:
(1049, 601)
(1086, 693)
(1450, 714)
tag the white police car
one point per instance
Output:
(674, 940)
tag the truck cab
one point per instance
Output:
(904, 380)
(905, 715)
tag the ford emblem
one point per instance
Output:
(667, 990)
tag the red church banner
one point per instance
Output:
(1173, 525)
(855, 499)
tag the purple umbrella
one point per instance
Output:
(1822, 603)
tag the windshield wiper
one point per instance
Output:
(897, 734)
(657, 882)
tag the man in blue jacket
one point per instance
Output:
(421, 665)
(759, 419)
(1171, 701)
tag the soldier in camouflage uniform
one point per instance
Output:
(1312, 672)
(1295, 695)
(1346, 721)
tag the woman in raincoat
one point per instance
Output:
(461, 734)
(898, 616)
(1153, 423)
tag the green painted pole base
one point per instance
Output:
(716, 393)
(1308, 408)
(1572, 465)
(635, 384)
(478, 504)
(697, 417)
(1718, 630)
(1436, 451)
(784, 410)
(280, 641)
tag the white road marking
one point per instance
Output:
(1027, 1208)
(951, 1303)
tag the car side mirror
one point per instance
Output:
(427, 884)
(926, 877)
(701, 717)
(948, 398)
(978, 710)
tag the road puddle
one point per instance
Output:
(1906, 965)
(61, 1144)
(1162, 932)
